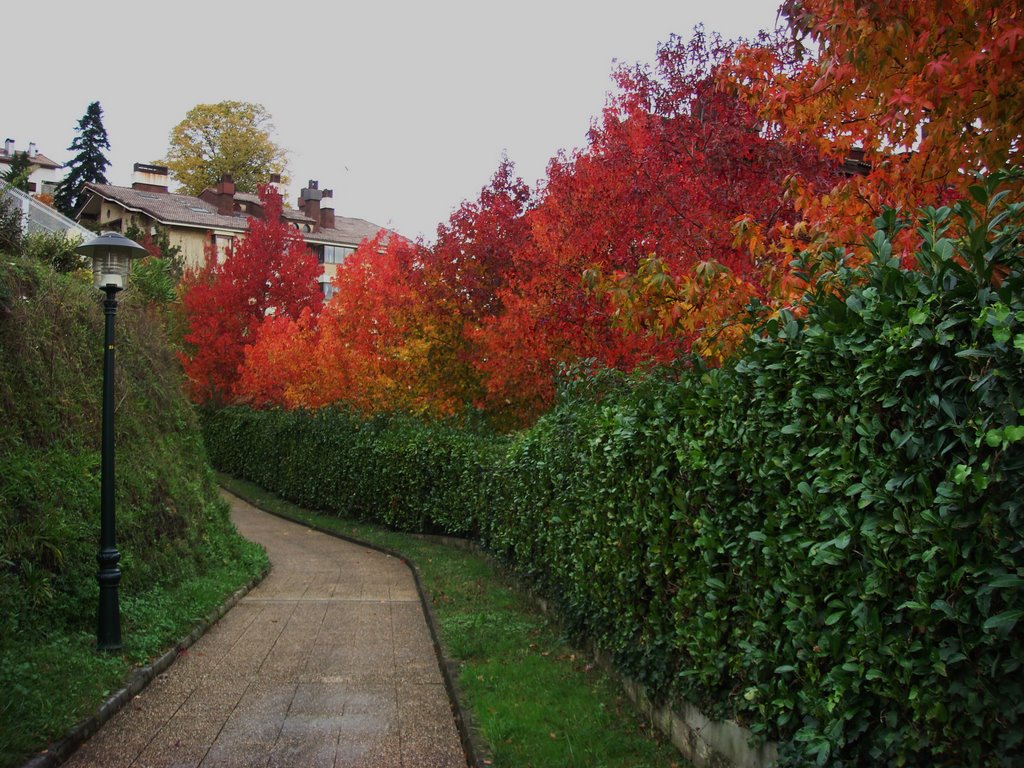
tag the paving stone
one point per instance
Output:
(117, 751)
(381, 754)
(380, 702)
(320, 698)
(199, 728)
(369, 740)
(216, 694)
(238, 755)
(170, 756)
(289, 752)
(251, 727)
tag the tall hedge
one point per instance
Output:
(822, 540)
(395, 469)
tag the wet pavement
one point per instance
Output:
(328, 662)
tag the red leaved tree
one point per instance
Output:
(646, 214)
(462, 279)
(281, 367)
(270, 273)
(400, 332)
(370, 328)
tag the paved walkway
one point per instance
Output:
(328, 662)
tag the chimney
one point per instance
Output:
(9, 147)
(275, 184)
(226, 195)
(309, 201)
(149, 178)
(855, 164)
(327, 210)
(32, 151)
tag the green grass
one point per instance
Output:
(55, 679)
(536, 701)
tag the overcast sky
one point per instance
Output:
(404, 109)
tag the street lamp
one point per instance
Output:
(111, 256)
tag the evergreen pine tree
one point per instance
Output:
(89, 164)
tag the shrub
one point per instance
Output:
(396, 469)
(55, 249)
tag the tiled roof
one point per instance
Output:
(293, 215)
(169, 208)
(38, 159)
(346, 232)
(184, 210)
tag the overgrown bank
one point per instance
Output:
(180, 556)
(822, 540)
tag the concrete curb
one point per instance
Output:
(60, 750)
(478, 755)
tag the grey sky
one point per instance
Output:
(402, 108)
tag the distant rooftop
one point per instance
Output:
(169, 208)
(8, 151)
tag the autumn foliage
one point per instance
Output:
(706, 174)
(649, 203)
(485, 316)
(269, 275)
(401, 332)
(929, 93)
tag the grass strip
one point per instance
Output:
(55, 678)
(535, 700)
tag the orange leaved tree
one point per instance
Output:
(920, 95)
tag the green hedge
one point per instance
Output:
(822, 540)
(394, 469)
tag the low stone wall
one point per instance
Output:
(705, 743)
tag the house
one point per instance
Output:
(43, 178)
(219, 215)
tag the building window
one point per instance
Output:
(335, 254)
(222, 245)
(328, 290)
(331, 254)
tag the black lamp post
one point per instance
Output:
(111, 256)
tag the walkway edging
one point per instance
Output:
(477, 753)
(60, 750)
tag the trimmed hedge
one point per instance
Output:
(822, 540)
(395, 469)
